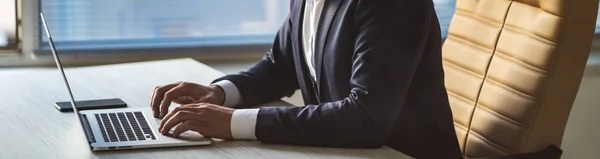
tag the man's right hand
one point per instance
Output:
(184, 93)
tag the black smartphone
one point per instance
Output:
(65, 106)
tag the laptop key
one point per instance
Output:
(144, 125)
(103, 131)
(118, 129)
(106, 123)
(135, 126)
(126, 127)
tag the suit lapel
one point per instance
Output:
(297, 18)
(327, 14)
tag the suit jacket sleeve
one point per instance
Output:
(273, 77)
(389, 42)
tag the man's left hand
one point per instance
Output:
(207, 119)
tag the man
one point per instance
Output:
(370, 72)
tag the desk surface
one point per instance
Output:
(30, 126)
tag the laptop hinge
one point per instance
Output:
(87, 129)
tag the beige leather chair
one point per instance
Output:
(513, 68)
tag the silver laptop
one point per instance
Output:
(128, 128)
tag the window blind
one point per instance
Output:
(77, 24)
(162, 23)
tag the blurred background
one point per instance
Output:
(160, 23)
(147, 28)
(8, 25)
(229, 35)
(141, 27)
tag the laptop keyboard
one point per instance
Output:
(124, 126)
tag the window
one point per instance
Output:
(598, 22)
(445, 10)
(126, 24)
(118, 24)
(8, 25)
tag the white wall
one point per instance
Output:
(7, 21)
(582, 135)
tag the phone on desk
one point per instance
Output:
(65, 106)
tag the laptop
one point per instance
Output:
(124, 128)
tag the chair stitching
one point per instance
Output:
(460, 126)
(505, 118)
(456, 124)
(462, 69)
(465, 41)
(486, 73)
(478, 18)
(531, 35)
(510, 89)
(521, 63)
(499, 148)
(460, 97)
(540, 8)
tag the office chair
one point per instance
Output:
(512, 71)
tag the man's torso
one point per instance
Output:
(425, 122)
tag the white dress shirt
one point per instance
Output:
(243, 121)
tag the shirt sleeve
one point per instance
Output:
(243, 121)
(232, 94)
(243, 124)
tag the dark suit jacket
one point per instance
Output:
(379, 80)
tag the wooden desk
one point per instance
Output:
(30, 126)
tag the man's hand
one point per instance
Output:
(204, 118)
(184, 93)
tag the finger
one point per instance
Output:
(175, 111)
(174, 93)
(157, 96)
(187, 125)
(176, 119)
(183, 127)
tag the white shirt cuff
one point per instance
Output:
(243, 124)
(232, 94)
